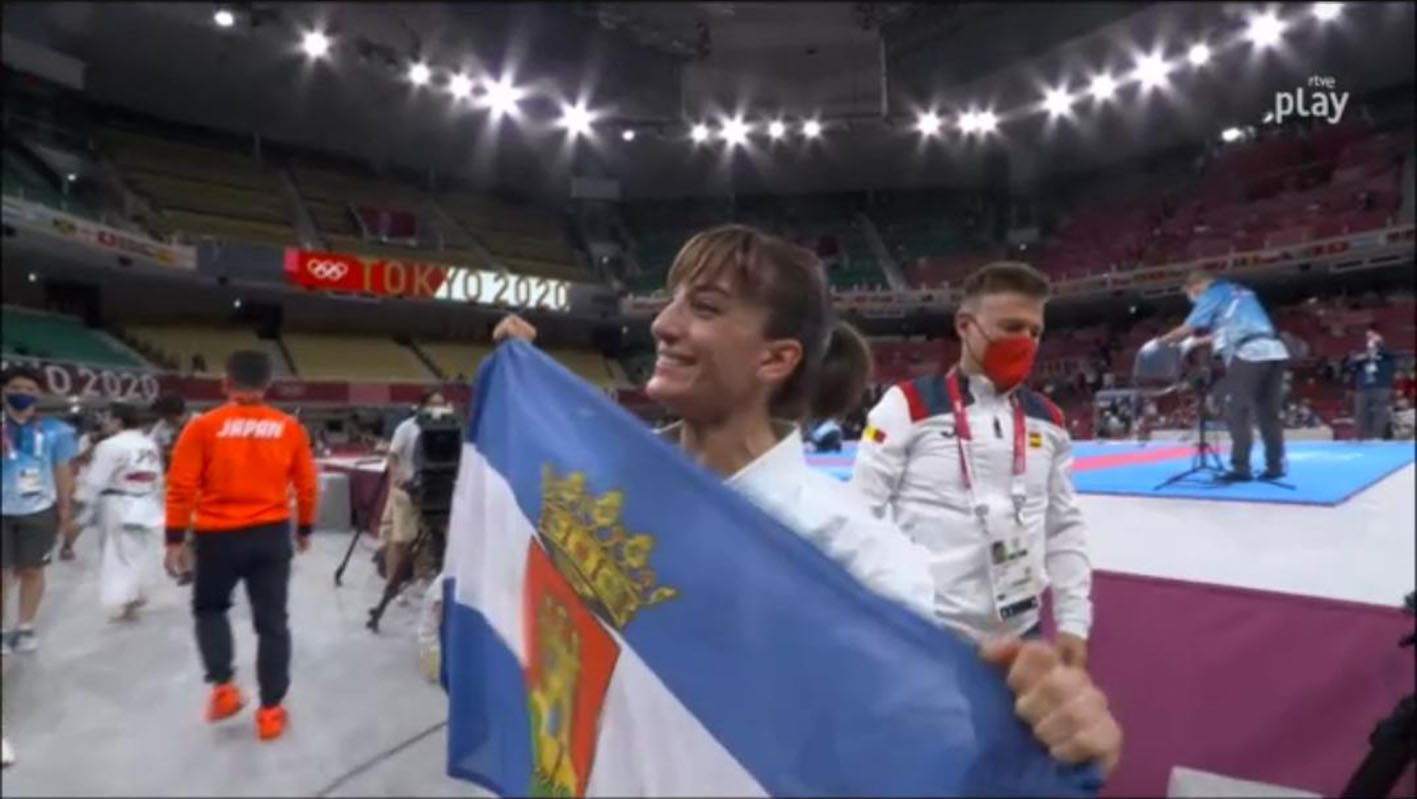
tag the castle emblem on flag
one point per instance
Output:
(552, 701)
(606, 565)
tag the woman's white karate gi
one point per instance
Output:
(122, 496)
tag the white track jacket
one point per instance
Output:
(908, 470)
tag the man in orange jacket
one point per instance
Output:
(234, 467)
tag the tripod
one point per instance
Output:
(354, 539)
(1207, 456)
(431, 532)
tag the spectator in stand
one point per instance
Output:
(1402, 418)
(1333, 371)
(1299, 415)
(1373, 378)
(1403, 385)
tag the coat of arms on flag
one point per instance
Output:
(620, 623)
(585, 567)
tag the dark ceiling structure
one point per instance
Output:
(864, 69)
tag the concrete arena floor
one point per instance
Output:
(116, 710)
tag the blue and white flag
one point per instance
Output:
(619, 623)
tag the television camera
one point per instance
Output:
(436, 455)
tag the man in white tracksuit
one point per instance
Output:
(122, 495)
(989, 494)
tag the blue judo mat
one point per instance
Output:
(1321, 472)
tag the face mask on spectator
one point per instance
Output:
(20, 401)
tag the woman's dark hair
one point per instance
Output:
(127, 415)
(169, 405)
(790, 284)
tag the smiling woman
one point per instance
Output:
(747, 348)
(750, 332)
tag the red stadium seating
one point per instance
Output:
(1274, 192)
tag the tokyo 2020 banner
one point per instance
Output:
(388, 277)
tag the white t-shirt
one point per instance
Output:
(402, 446)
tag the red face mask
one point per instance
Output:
(1007, 361)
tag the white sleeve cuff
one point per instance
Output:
(1075, 627)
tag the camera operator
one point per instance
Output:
(400, 523)
(1254, 357)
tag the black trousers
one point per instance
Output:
(260, 557)
(1256, 390)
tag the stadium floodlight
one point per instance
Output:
(419, 73)
(1151, 71)
(928, 122)
(811, 128)
(985, 122)
(1199, 54)
(1231, 134)
(776, 129)
(735, 131)
(224, 18)
(575, 119)
(1103, 86)
(1057, 102)
(628, 134)
(33, 278)
(699, 133)
(315, 44)
(1327, 12)
(236, 303)
(1265, 30)
(502, 96)
(460, 86)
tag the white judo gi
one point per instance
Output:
(121, 492)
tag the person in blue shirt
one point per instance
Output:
(1373, 370)
(38, 497)
(1255, 358)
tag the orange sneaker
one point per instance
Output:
(270, 722)
(225, 701)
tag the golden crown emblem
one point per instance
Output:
(606, 565)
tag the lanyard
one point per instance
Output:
(966, 461)
(15, 448)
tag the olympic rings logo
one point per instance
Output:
(327, 270)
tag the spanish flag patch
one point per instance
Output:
(872, 433)
(1035, 440)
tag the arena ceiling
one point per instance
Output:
(660, 66)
